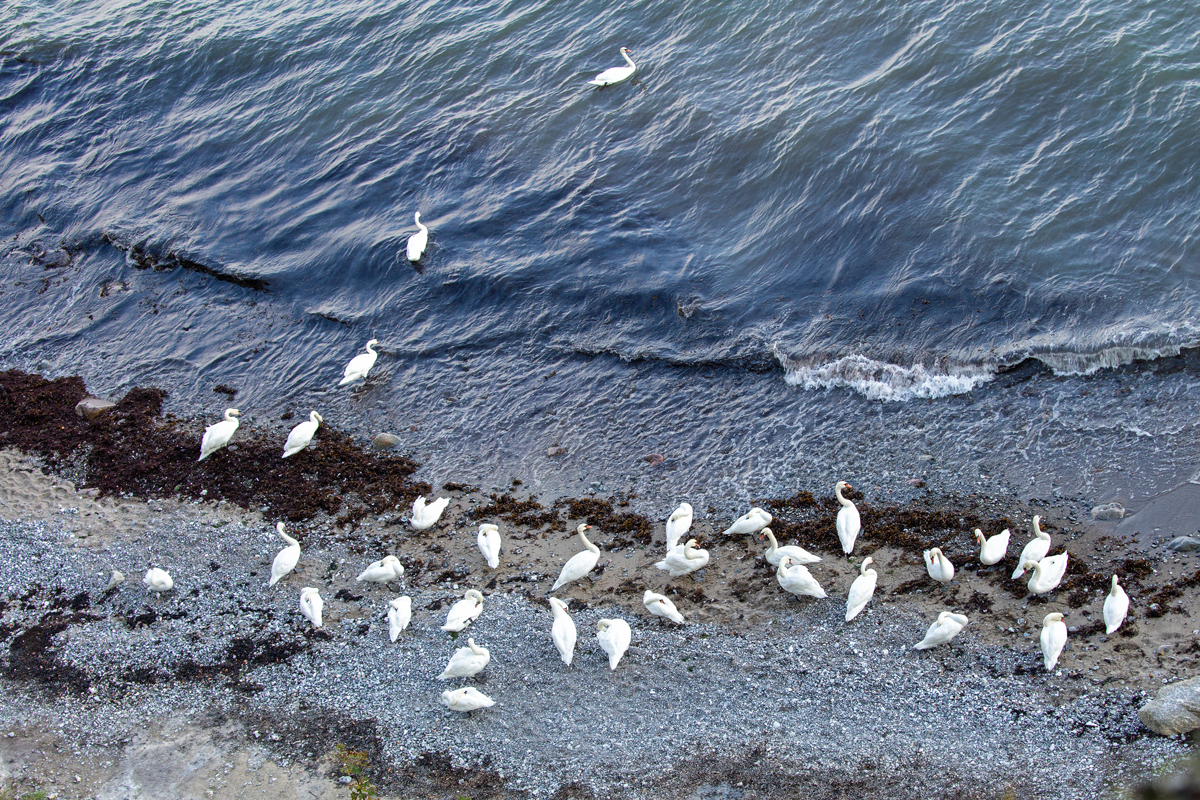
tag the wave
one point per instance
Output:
(879, 380)
(1071, 364)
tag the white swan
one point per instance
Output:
(752, 521)
(684, 559)
(311, 605)
(614, 636)
(426, 516)
(993, 550)
(302, 434)
(938, 566)
(1054, 638)
(218, 434)
(579, 564)
(861, 590)
(775, 553)
(1116, 606)
(849, 523)
(563, 630)
(488, 540)
(946, 627)
(616, 74)
(399, 615)
(286, 559)
(466, 699)
(661, 606)
(360, 365)
(417, 242)
(464, 612)
(1036, 550)
(678, 524)
(157, 580)
(384, 570)
(466, 661)
(1047, 573)
(796, 578)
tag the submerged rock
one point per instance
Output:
(91, 407)
(556, 451)
(1184, 544)
(1176, 708)
(1109, 511)
(385, 441)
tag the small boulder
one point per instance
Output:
(385, 441)
(1184, 544)
(1175, 709)
(1109, 511)
(91, 407)
(555, 451)
(654, 459)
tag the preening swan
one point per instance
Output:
(684, 559)
(399, 615)
(466, 699)
(1047, 573)
(992, 550)
(301, 435)
(861, 590)
(614, 636)
(796, 578)
(563, 630)
(616, 74)
(384, 570)
(946, 627)
(752, 521)
(311, 605)
(938, 566)
(849, 523)
(426, 516)
(286, 559)
(1116, 606)
(579, 564)
(466, 661)
(157, 580)
(1036, 549)
(488, 540)
(661, 606)
(678, 524)
(464, 612)
(218, 434)
(417, 242)
(360, 365)
(1054, 638)
(775, 553)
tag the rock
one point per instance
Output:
(1184, 544)
(1175, 709)
(1109, 511)
(654, 459)
(556, 450)
(385, 441)
(90, 407)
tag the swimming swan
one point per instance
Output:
(426, 516)
(1047, 573)
(614, 636)
(218, 434)
(1053, 638)
(946, 627)
(311, 605)
(399, 615)
(466, 699)
(579, 564)
(616, 74)
(488, 540)
(360, 365)
(301, 435)
(466, 661)
(660, 606)
(465, 611)
(1036, 549)
(993, 550)
(417, 242)
(861, 590)
(938, 566)
(384, 570)
(1116, 606)
(678, 524)
(849, 523)
(286, 559)
(685, 559)
(752, 521)
(775, 553)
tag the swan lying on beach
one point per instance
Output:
(946, 627)
(384, 570)
(1047, 573)
(796, 579)
(157, 580)
(563, 630)
(464, 612)
(861, 590)
(752, 521)
(849, 523)
(661, 606)
(1054, 638)
(993, 550)
(311, 605)
(302, 434)
(614, 75)
(399, 615)
(614, 636)
(1116, 606)
(416, 243)
(466, 661)
(466, 699)
(286, 559)
(678, 524)
(488, 540)
(775, 553)
(685, 559)
(579, 564)
(938, 566)
(218, 434)
(1036, 550)
(360, 365)
(424, 516)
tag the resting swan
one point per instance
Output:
(302, 434)
(614, 636)
(796, 579)
(218, 434)
(465, 611)
(360, 365)
(616, 74)
(1116, 606)
(579, 564)
(861, 590)
(1036, 549)
(311, 605)
(563, 630)
(661, 606)
(849, 523)
(946, 627)
(286, 559)
(752, 521)
(1047, 573)
(678, 524)
(993, 550)
(1053, 638)
(384, 570)
(466, 699)
(685, 559)
(775, 553)
(424, 516)
(158, 580)
(938, 566)
(466, 661)
(399, 615)
(488, 540)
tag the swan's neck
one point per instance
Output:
(774, 544)
(690, 553)
(230, 415)
(842, 500)
(476, 649)
(628, 59)
(1114, 583)
(314, 418)
(288, 539)
(370, 349)
(588, 544)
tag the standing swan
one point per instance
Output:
(426, 516)
(360, 365)
(678, 524)
(563, 630)
(1054, 638)
(661, 606)
(286, 559)
(1047, 573)
(488, 540)
(1036, 549)
(311, 605)
(1116, 606)
(796, 579)
(752, 521)
(579, 564)
(614, 636)
(399, 615)
(466, 661)
(938, 566)
(616, 74)
(849, 523)
(417, 242)
(775, 553)
(685, 559)
(992, 550)
(218, 434)
(464, 612)
(302, 434)
(861, 590)
(946, 627)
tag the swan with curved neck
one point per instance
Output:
(614, 75)
(488, 540)
(614, 636)
(796, 578)
(1036, 550)
(752, 521)
(360, 365)
(678, 524)
(218, 434)
(465, 611)
(563, 631)
(311, 605)
(399, 615)
(466, 661)
(425, 516)
(775, 553)
(861, 590)
(1053, 638)
(661, 606)
(849, 523)
(1047, 573)
(945, 628)
(579, 564)
(302, 434)
(1116, 606)
(384, 570)
(158, 580)
(992, 550)
(286, 559)
(938, 566)
(685, 559)
(416, 242)
(466, 699)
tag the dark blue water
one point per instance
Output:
(936, 240)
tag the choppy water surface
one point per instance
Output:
(809, 243)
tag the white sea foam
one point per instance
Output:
(1090, 363)
(879, 380)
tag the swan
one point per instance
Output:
(946, 627)
(775, 553)
(360, 365)
(466, 661)
(286, 559)
(678, 524)
(660, 606)
(1116, 606)
(426, 516)
(614, 636)
(861, 590)
(938, 566)
(796, 579)
(489, 544)
(157, 580)
(579, 564)
(302, 434)
(311, 605)
(1036, 549)
(417, 242)
(399, 615)
(466, 699)
(616, 74)
(1054, 638)
(685, 559)
(115, 579)
(1047, 573)
(563, 630)
(464, 612)
(384, 570)
(849, 523)
(218, 434)
(992, 550)
(752, 521)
